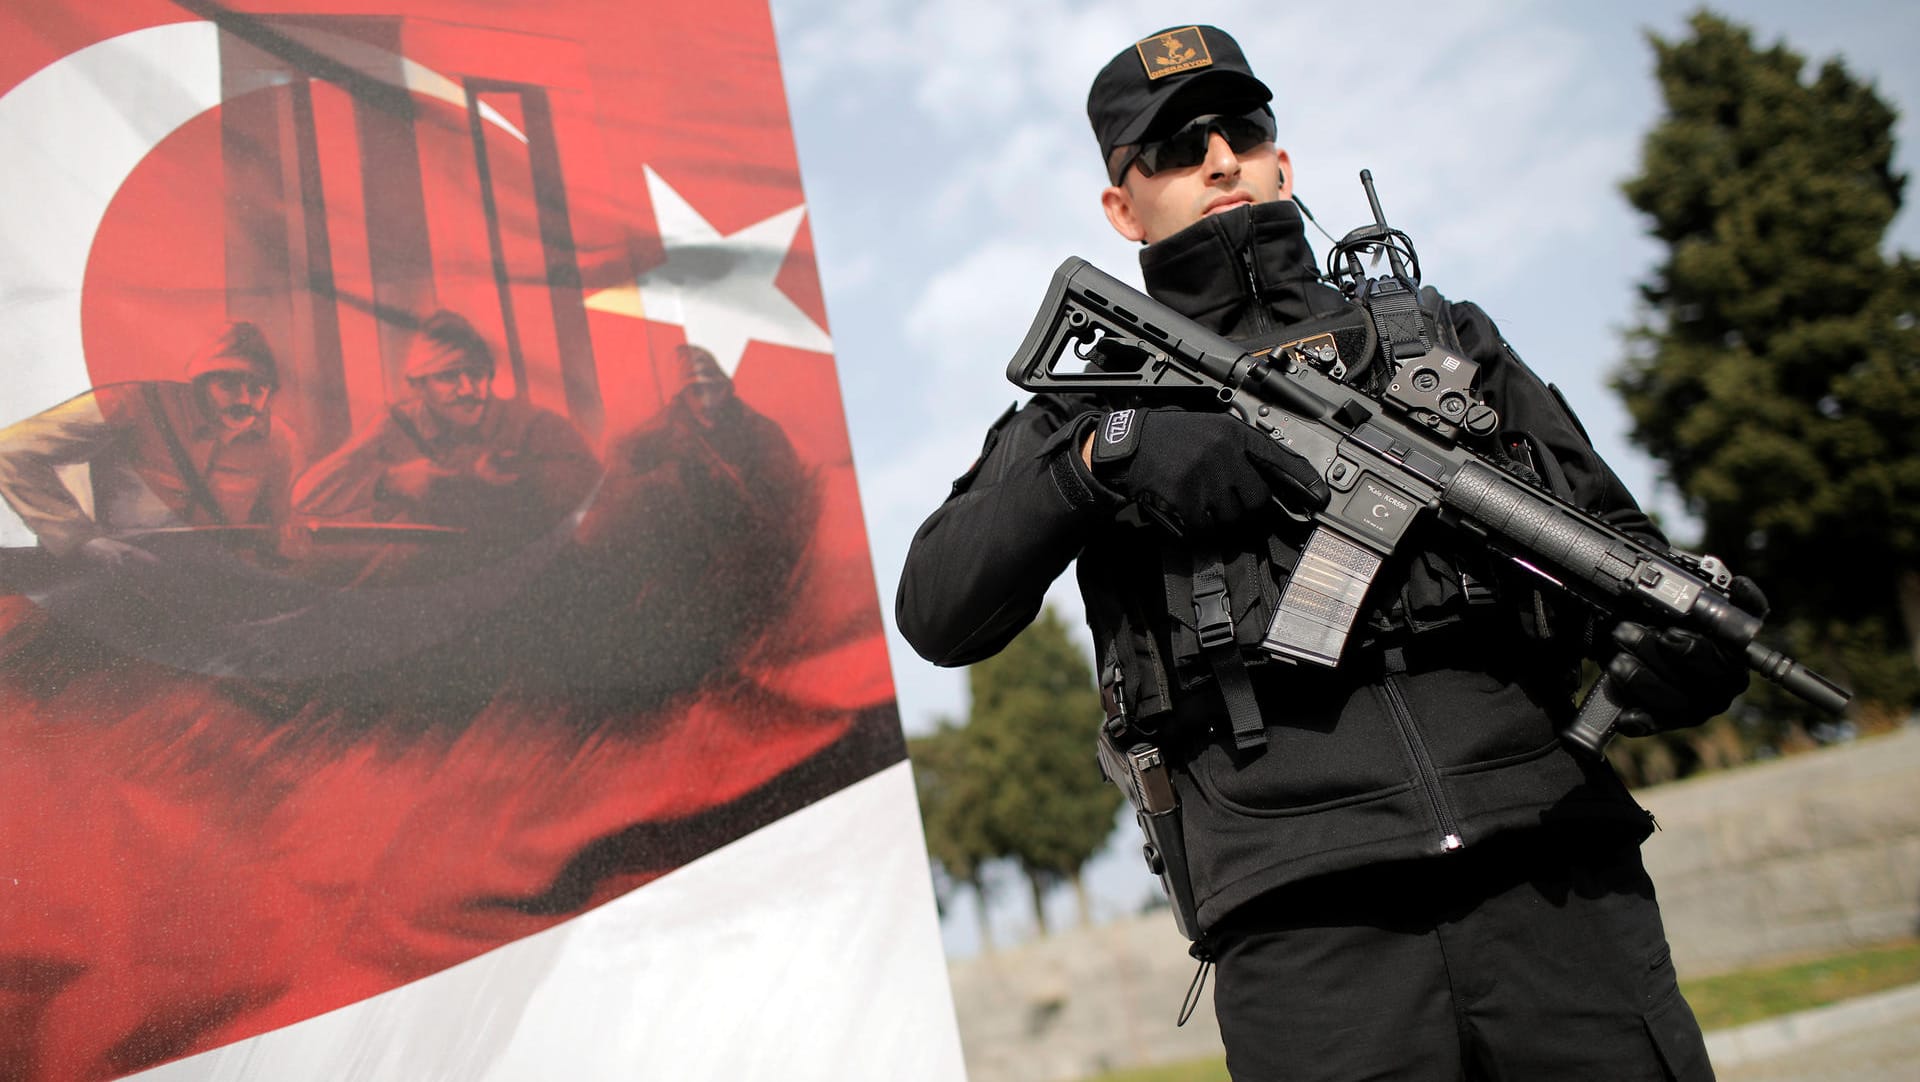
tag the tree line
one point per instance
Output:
(1018, 784)
(1774, 372)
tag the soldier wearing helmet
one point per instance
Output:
(454, 454)
(202, 451)
(700, 524)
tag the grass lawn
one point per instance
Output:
(1731, 999)
(1197, 1070)
(1734, 999)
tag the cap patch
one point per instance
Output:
(1173, 52)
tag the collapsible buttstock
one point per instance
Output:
(1095, 333)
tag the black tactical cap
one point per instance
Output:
(1193, 67)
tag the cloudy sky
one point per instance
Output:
(949, 169)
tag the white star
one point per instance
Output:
(720, 288)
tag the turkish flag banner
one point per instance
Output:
(437, 635)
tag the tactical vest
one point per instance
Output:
(1217, 599)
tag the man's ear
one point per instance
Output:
(1119, 208)
(1286, 173)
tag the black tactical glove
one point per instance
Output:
(1201, 472)
(1672, 679)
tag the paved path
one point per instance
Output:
(1871, 1039)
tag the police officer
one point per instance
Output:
(1403, 873)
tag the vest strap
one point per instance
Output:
(197, 491)
(1213, 619)
(1396, 316)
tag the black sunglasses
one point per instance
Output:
(1188, 146)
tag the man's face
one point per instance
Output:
(1150, 209)
(237, 401)
(458, 396)
(709, 400)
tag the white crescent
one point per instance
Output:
(74, 131)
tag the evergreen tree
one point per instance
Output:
(1776, 374)
(952, 784)
(1033, 717)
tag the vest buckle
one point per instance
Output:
(1212, 617)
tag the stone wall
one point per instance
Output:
(1813, 853)
(1081, 1002)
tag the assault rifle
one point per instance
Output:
(1388, 460)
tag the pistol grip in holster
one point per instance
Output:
(1139, 768)
(1166, 855)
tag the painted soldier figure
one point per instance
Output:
(160, 454)
(453, 454)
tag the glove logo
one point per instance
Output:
(1119, 426)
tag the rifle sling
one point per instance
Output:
(197, 491)
(412, 432)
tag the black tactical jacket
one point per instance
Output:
(1436, 731)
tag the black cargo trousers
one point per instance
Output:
(1537, 957)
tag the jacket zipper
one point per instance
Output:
(1429, 778)
(1261, 322)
